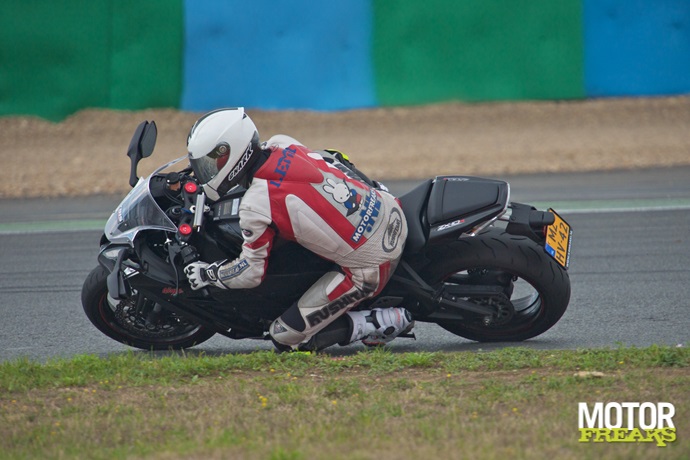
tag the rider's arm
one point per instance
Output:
(247, 271)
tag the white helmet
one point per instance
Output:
(222, 146)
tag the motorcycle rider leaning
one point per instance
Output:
(311, 198)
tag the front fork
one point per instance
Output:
(113, 259)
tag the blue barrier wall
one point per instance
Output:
(637, 47)
(261, 53)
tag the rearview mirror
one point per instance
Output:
(141, 146)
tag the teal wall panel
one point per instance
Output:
(146, 61)
(59, 57)
(52, 57)
(477, 50)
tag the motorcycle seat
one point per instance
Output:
(455, 197)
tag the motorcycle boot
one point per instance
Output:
(380, 325)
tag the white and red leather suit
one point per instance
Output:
(301, 197)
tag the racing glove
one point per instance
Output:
(201, 274)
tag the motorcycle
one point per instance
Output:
(474, 263)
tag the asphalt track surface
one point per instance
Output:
(630, 269)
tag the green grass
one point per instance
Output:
(511, 403)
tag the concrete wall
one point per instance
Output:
(59, 57)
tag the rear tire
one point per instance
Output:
(119, 320)
(532, 270)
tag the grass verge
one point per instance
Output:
(514, 402)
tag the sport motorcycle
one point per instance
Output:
(474, 263)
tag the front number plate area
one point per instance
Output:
(559, 235)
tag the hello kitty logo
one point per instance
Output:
(343, 194)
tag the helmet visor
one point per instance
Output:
(208, 166)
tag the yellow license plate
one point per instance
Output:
(559, 235)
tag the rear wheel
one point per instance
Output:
(535, 294)
(137, 321)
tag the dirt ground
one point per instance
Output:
(85, 154)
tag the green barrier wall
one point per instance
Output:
(475, 50)
(59, 57)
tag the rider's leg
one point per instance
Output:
(329, 298)
(372, 327)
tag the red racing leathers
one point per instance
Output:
(301, 197)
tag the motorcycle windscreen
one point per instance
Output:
(137, 212)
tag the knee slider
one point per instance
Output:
(284, 334)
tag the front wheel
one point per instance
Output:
(536, 287)
(137, 321)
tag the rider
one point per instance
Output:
(307, 197)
